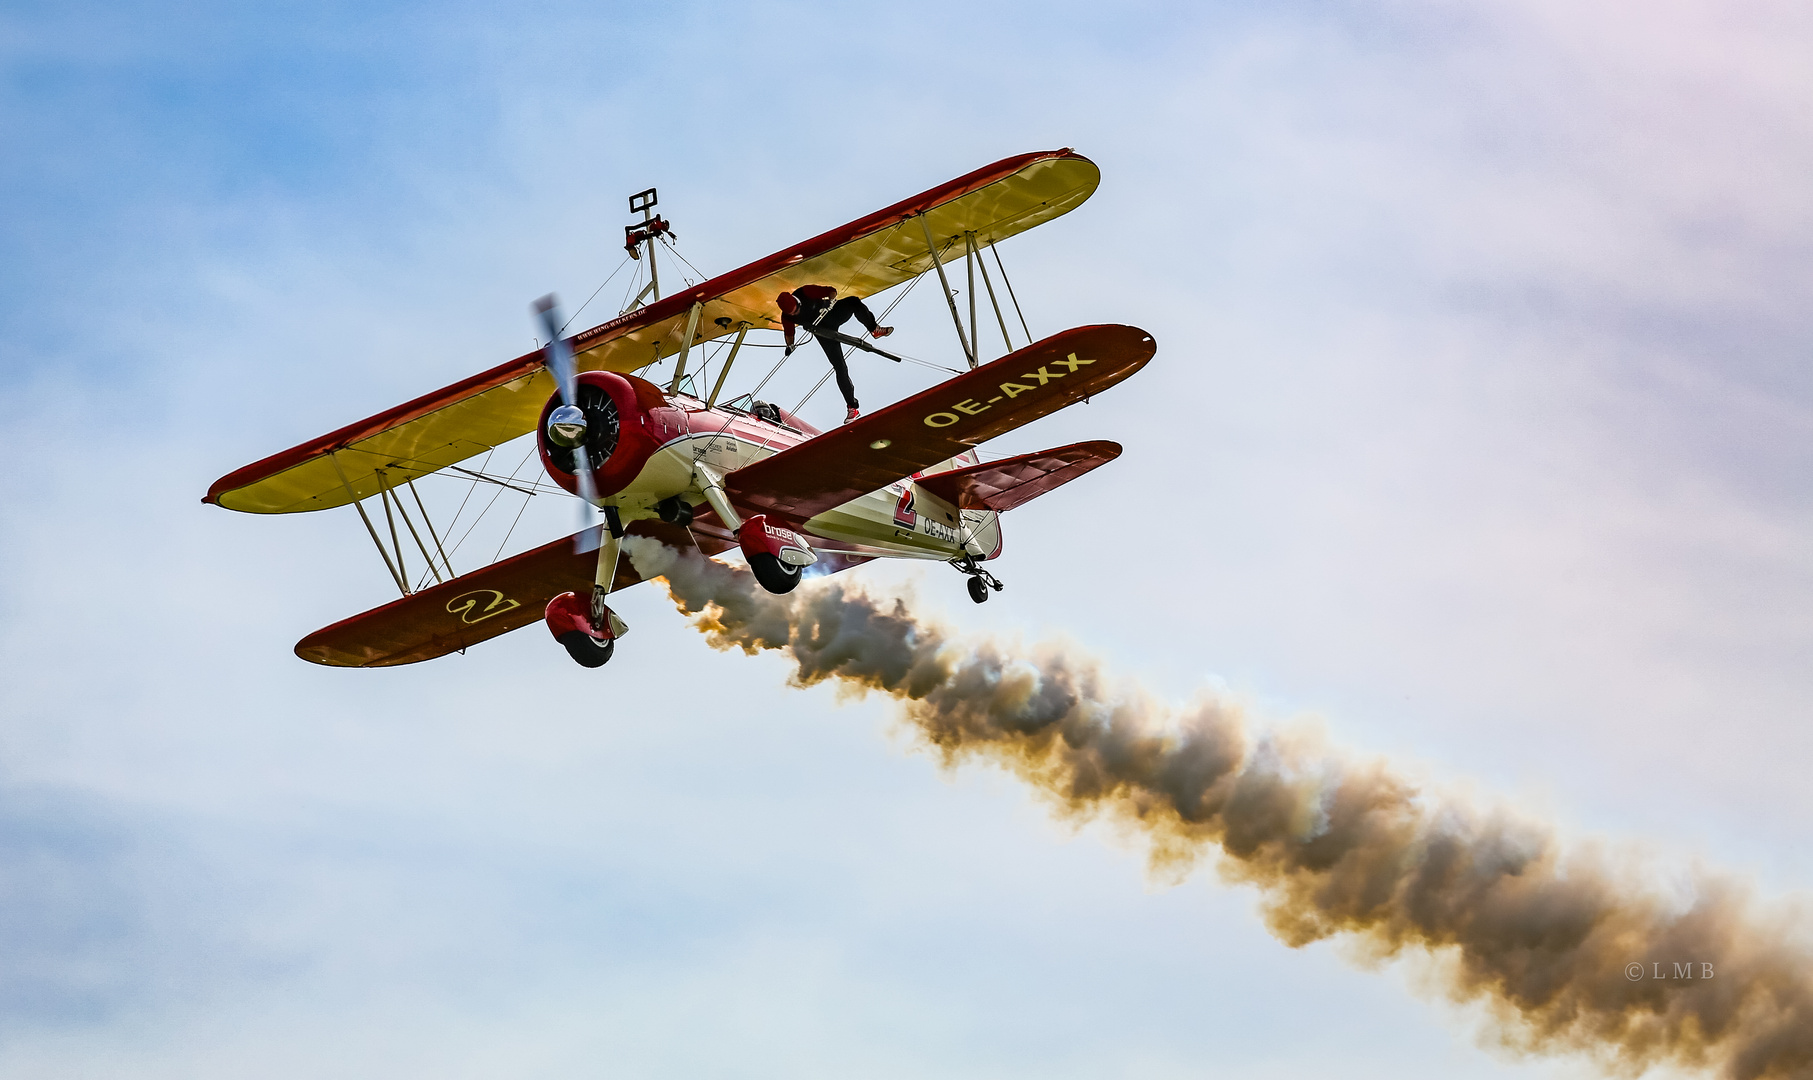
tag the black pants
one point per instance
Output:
(834, 317)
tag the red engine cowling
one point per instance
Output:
(622, 431)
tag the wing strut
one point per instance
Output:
(692, 328)
(969, 268)
(944, 282)
(369, 527)
(390, 493)
(742, 329)
(436, 537)
(996, 304)
(390, 522)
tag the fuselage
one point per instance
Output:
(902, 520)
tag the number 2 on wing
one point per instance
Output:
(498, 605)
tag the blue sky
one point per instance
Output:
(1478, 434)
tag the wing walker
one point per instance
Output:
(676, 464)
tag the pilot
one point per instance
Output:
(816, 306)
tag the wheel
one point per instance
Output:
(775, 575)
(587, 650)
(978, 590)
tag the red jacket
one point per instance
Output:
(817, 298)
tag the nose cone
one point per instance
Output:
(566, 426)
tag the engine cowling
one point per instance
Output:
(618, 439)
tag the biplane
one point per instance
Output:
(676, 464)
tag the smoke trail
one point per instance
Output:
(1544, 938)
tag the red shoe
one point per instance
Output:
(852, 414)
(881, 331)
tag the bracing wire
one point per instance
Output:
(635, 280)
(595, 292)
(469, 490)
(493, 502)
(772, 372)
(717, 350)
(671, 246)
(996, 248)
(816, 387)
(512, 530)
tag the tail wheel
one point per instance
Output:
(978, 590)
(775, 575)
(587, 650)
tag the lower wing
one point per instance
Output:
(475, 607)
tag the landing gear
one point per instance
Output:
(585, 625)
(586, 649)
(980, 580)
(776, 553)
(775, 575)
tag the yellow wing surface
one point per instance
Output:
(473, 415)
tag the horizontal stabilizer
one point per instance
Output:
(1003, 485)
(936, 425)
(475, 607)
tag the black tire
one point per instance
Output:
(587, 650)
(978, 590)
(775, 575)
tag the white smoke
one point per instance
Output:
(1543, 937)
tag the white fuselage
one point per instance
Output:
(902, 520)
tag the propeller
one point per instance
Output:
(566, 424)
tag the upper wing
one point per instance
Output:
(1003, 485)
(937, 424)
(478, 606)
(475, 414)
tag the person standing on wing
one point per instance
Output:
(817, 308)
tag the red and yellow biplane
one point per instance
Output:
(675, 464)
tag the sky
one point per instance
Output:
(1478, 435)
